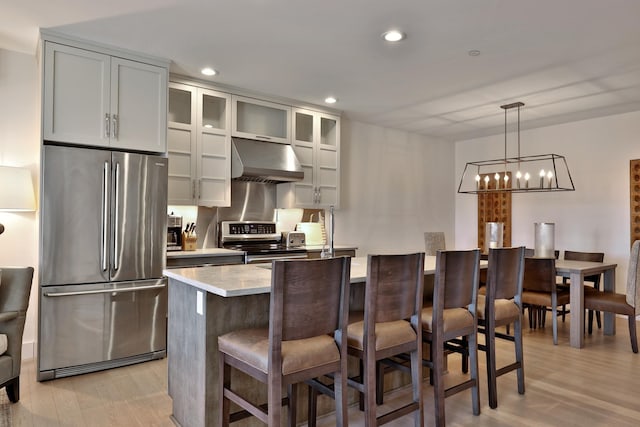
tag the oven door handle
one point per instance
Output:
(251, 258)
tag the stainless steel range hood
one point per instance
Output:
(260, 161)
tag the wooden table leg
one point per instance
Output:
(576, 299)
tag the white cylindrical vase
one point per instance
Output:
(544, 240)
(493, 234)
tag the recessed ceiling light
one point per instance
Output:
(393, 36)
(330, 100)
(208, 71)
(474, 52)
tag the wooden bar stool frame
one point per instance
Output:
(504, 291)
(309, 300)
(453, 315)
(393, 293)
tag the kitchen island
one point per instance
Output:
(207, 302)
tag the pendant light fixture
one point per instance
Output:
(521, 174)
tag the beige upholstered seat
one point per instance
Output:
(502, 306)
(453, 315)
(15, 288)
(627, 304)
(306, 338)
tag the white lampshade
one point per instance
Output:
(16, 189)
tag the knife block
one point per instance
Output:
(189, 242)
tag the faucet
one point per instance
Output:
(331, 231)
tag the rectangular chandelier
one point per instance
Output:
(521, 174)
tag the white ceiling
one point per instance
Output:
(565, 59)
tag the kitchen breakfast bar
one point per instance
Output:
(207, 302)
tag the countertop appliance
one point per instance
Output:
(103, 298)
(293, 239)
(258, 239)
(174, 233)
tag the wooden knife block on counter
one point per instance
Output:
(189, 242)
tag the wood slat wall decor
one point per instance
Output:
(634, 187)
(494, 207)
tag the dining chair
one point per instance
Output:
(306, 338)
(453, 315)
(626, 304)
(15, 288)
(391, 326)
(502, 306)
(433, 242)
(594, 279)
(540, 288)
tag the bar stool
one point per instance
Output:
(391, 326)
(306, 338)
(453, 315)
(501, 306)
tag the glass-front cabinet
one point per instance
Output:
(263, 120)
(316, 141)
(199, 146)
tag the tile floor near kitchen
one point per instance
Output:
(593, 386)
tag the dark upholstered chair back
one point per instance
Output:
(539, 274)
(393, 281)
(303, 288)
(505, 270)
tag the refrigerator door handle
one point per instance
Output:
(103, 291)
(116, 220)
(105, 214)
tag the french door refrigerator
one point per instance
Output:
(103, 299)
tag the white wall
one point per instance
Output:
(593, 218)
(395, 186)
(20, 146)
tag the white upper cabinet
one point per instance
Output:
(199, 145)
(316, 142)
(258, 119)
(97, 99)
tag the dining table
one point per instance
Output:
(576, 272)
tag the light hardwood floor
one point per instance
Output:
(594, 386)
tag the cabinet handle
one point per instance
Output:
(319, 195)
(116, 220)
(107, 132)
(263, 137)
(193, 189)
(114, 128)
(199, 189)
(105, 214)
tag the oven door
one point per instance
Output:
(268, 257)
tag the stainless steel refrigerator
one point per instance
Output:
(103, 299)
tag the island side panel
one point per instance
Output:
(193, 378)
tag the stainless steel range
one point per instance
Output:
(258, 239)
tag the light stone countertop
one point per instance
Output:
(250, 279)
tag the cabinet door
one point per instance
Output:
(76, 95)
(138, 106)
(181, 144)
(303, 131)
(214, 149)
(257, 119)
(327, 164)
(316, 141)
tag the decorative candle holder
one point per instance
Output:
(544, 240)
(493, 235)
